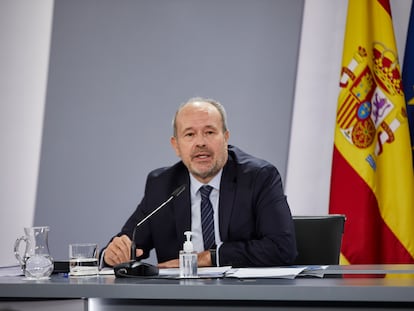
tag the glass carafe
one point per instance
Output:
(36, 261)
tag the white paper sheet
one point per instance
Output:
(272, 272)
(315, 271)
(203, 272)
(227, 271)
(106, 271)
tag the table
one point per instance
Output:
(343, 287)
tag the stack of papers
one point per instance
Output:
(205, 272)
(242, 273)
(216, 272)
(281, 273)
(315, 271)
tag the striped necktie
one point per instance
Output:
(207, 217)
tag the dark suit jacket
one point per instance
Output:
(255, 222)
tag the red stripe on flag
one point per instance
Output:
(367, 239)
(386, 5)
(346, 113)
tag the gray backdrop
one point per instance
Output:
(118, 71)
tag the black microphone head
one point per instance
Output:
(135, 268)
(178, 191)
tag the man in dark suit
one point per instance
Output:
(252, 222)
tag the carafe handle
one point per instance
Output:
(16, 250)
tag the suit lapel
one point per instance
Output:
(227, 195)
(182, 208)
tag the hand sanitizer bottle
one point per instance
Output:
(188, 258)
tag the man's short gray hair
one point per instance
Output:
(213, 102)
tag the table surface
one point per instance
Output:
(363, 283)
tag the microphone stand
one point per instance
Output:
(133, 245)
(134, 268)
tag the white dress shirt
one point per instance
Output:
(197, 237)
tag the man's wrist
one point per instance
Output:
(213, 254)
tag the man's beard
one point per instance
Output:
(207, 173)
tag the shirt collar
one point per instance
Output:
(215, 182)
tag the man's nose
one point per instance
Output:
(201, 140)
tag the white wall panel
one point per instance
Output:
(25, 28)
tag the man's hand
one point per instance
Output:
(173, 263)
(119, 250)
(203, 260)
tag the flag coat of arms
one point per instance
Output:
(372, 179)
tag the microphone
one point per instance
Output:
(133, 267)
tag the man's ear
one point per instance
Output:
(227, 136)
(174, 144)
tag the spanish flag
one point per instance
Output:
(372, 180)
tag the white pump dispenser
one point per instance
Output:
(188, 258)
(188, 245)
